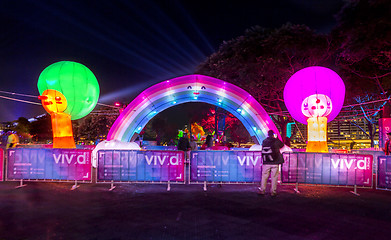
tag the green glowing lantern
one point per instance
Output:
(76, 82)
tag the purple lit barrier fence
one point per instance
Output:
(1, 163)
(140, 166)
(48, 164)
(384, 173)
(225, 167)
(374, 153)
(328, 169)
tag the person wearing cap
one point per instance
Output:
(272, 158)
(387, 146)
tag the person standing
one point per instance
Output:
(184, 145)
(387, 145)
(193, 144)
(272, 158)
(208, 143)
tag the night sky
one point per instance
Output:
(129, 45)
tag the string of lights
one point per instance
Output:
(36, 97)
(19, 94)
(20, 100)
(280, 113)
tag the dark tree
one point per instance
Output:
(161, 130)
(94, 126)
(238, 133)
(41, 129)
(362, 43)
(362, 40)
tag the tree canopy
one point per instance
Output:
(362, 43)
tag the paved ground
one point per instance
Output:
(143, 211)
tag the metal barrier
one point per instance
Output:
(61, 165)
(328, 169)
(225, 167)
(384, 173)
(1, 164)
(115, 166)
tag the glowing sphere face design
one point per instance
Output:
(314, 81)
(317, 105)
(53, 101)
(75, 82)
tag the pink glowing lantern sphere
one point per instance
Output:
(316, 105)
(318, 84)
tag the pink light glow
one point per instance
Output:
(310, 81)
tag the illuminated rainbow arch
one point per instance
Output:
(192, 88)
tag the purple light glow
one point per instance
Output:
(310, 81)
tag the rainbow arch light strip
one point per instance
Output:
(192, 88)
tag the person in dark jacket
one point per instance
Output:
(272, 158)
(184, 145)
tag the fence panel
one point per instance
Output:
(49, 164)
(140, 166)
(1, 164)
(374, 153)
(384, 173)
(328, 168)
(225, 166)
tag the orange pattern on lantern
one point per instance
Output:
(53, 101)
(55, 104)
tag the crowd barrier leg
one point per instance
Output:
(75, 186)
(205, 186)
(112, 187)
(168, 186)
(297, 188)
(355, 191)
(21, 184)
